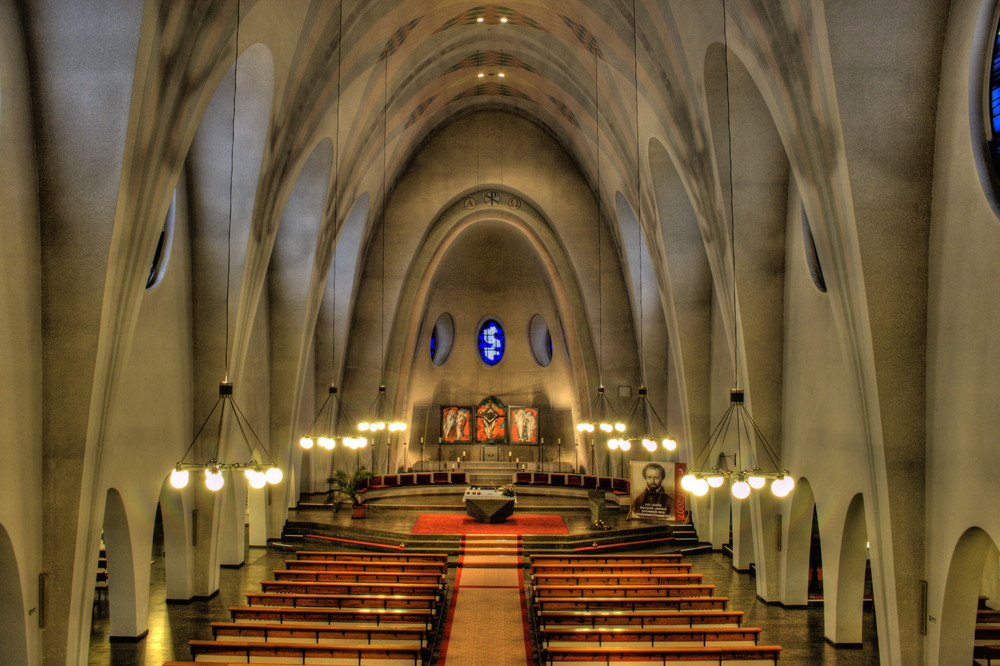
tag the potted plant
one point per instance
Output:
(350, 484)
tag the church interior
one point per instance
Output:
(758, 234)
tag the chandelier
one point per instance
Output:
(257, 472)
(745, 474)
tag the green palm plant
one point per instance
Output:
(350, 483)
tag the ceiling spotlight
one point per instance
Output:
(503, 20)
(480, 75)
(480, 19)
(501, 75)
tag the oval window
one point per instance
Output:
(540, 340)
(491, 342)
(442, 339)
(812, 256)
(161, 256)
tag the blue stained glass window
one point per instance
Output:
(994, 142)
(434, 341)
(491, 342)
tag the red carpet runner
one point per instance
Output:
(454, 523)
(487, 619)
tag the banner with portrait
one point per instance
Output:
(654, 491)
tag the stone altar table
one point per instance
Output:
(488, 506)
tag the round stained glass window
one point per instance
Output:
(491, 342)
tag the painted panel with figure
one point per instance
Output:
(523, 425)
(491, 422)
(456, 425)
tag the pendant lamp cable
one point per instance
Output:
(385, 198)
(638, 185)
(232, 172)
(336, 202)
(732, 200)
(600, 267)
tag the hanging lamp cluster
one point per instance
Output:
(644, 415)
(258, 473)
(745, 474)
(331, 415)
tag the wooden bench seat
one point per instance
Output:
(359, 576)
(630, 604)
(255, 651)
(988, 632)
(267, 631)
(649, 635)
(659, 654)
(341, 600)
(623, 591)
(987, 615)
(640, 618)
(572, 569)
(329, 587)
(616, 579)
(358, 556)
(655, 558)
(354, 565)
(335, 616)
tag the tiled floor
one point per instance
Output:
(800, 632)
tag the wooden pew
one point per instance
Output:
(341, 600)
(360, 576)
(325, 587)
(630, 604)
(649, 635)
(382, 565)
(652, 558)
(616, 579)
(358, 556)
(335, 616)
(257, 651)
(572, 569)
(316, 633)
(717, 654)
(622, 591)
(640, 618)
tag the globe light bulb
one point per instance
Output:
(620, 427)
(741, 490)
(179, 478)
(306, 442)
(781, 487)
(669, 444)
(624, 444)
(613, 444)
(756, 482)
(649, 445)
(326, 443)
(364, 426)
(378, 425)
(687, 482)
(607, 427)
(256, 478)
(581, 427)
(700, 487)
(273, 475)
(715, 481)
(213, 479)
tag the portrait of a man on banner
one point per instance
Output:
(653, 490)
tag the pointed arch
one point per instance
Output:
(13, 627)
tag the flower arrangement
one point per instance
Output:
(600, 525)
(507, 490)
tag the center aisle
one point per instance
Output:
(487, 619)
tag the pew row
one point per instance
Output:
(316, 633)
(614, 560)
(649, 636)
(743, 654)
(341, 600)
(357, 556)
(395, 576)
(335, 616)
(640, 618)
(617, 579)
(630, 604)
(625, 591)
(257, 651)
(372, 566)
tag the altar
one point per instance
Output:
(488, 506)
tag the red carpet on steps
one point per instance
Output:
(453, 523)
